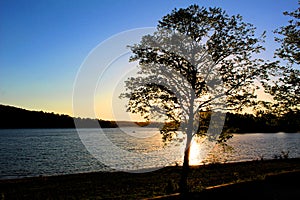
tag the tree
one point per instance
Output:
(290, 44)
(198, 61)
(286, 88)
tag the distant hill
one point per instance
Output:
(13, 117)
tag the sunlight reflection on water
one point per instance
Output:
(34, 152)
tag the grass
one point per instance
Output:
(121, 185)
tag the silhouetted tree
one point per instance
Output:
(290, 44)
(199, 60)
(286, 88)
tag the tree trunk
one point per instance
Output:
(186, 166)
(189, 134)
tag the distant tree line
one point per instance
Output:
(12, 117)
(260, 122)
(263, 122)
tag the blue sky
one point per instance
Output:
(44, 42)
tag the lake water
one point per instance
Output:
(35, 152)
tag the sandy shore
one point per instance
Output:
(264, 177)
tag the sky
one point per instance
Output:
(43, 43)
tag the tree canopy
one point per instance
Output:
(286, 88)
(196, 57)
(290, 43)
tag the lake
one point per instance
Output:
(36, 152)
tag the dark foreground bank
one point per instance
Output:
(279, 186)
(269, 179)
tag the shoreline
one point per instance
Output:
(145, 170)
(124, 185)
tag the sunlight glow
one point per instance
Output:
(195, 153)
